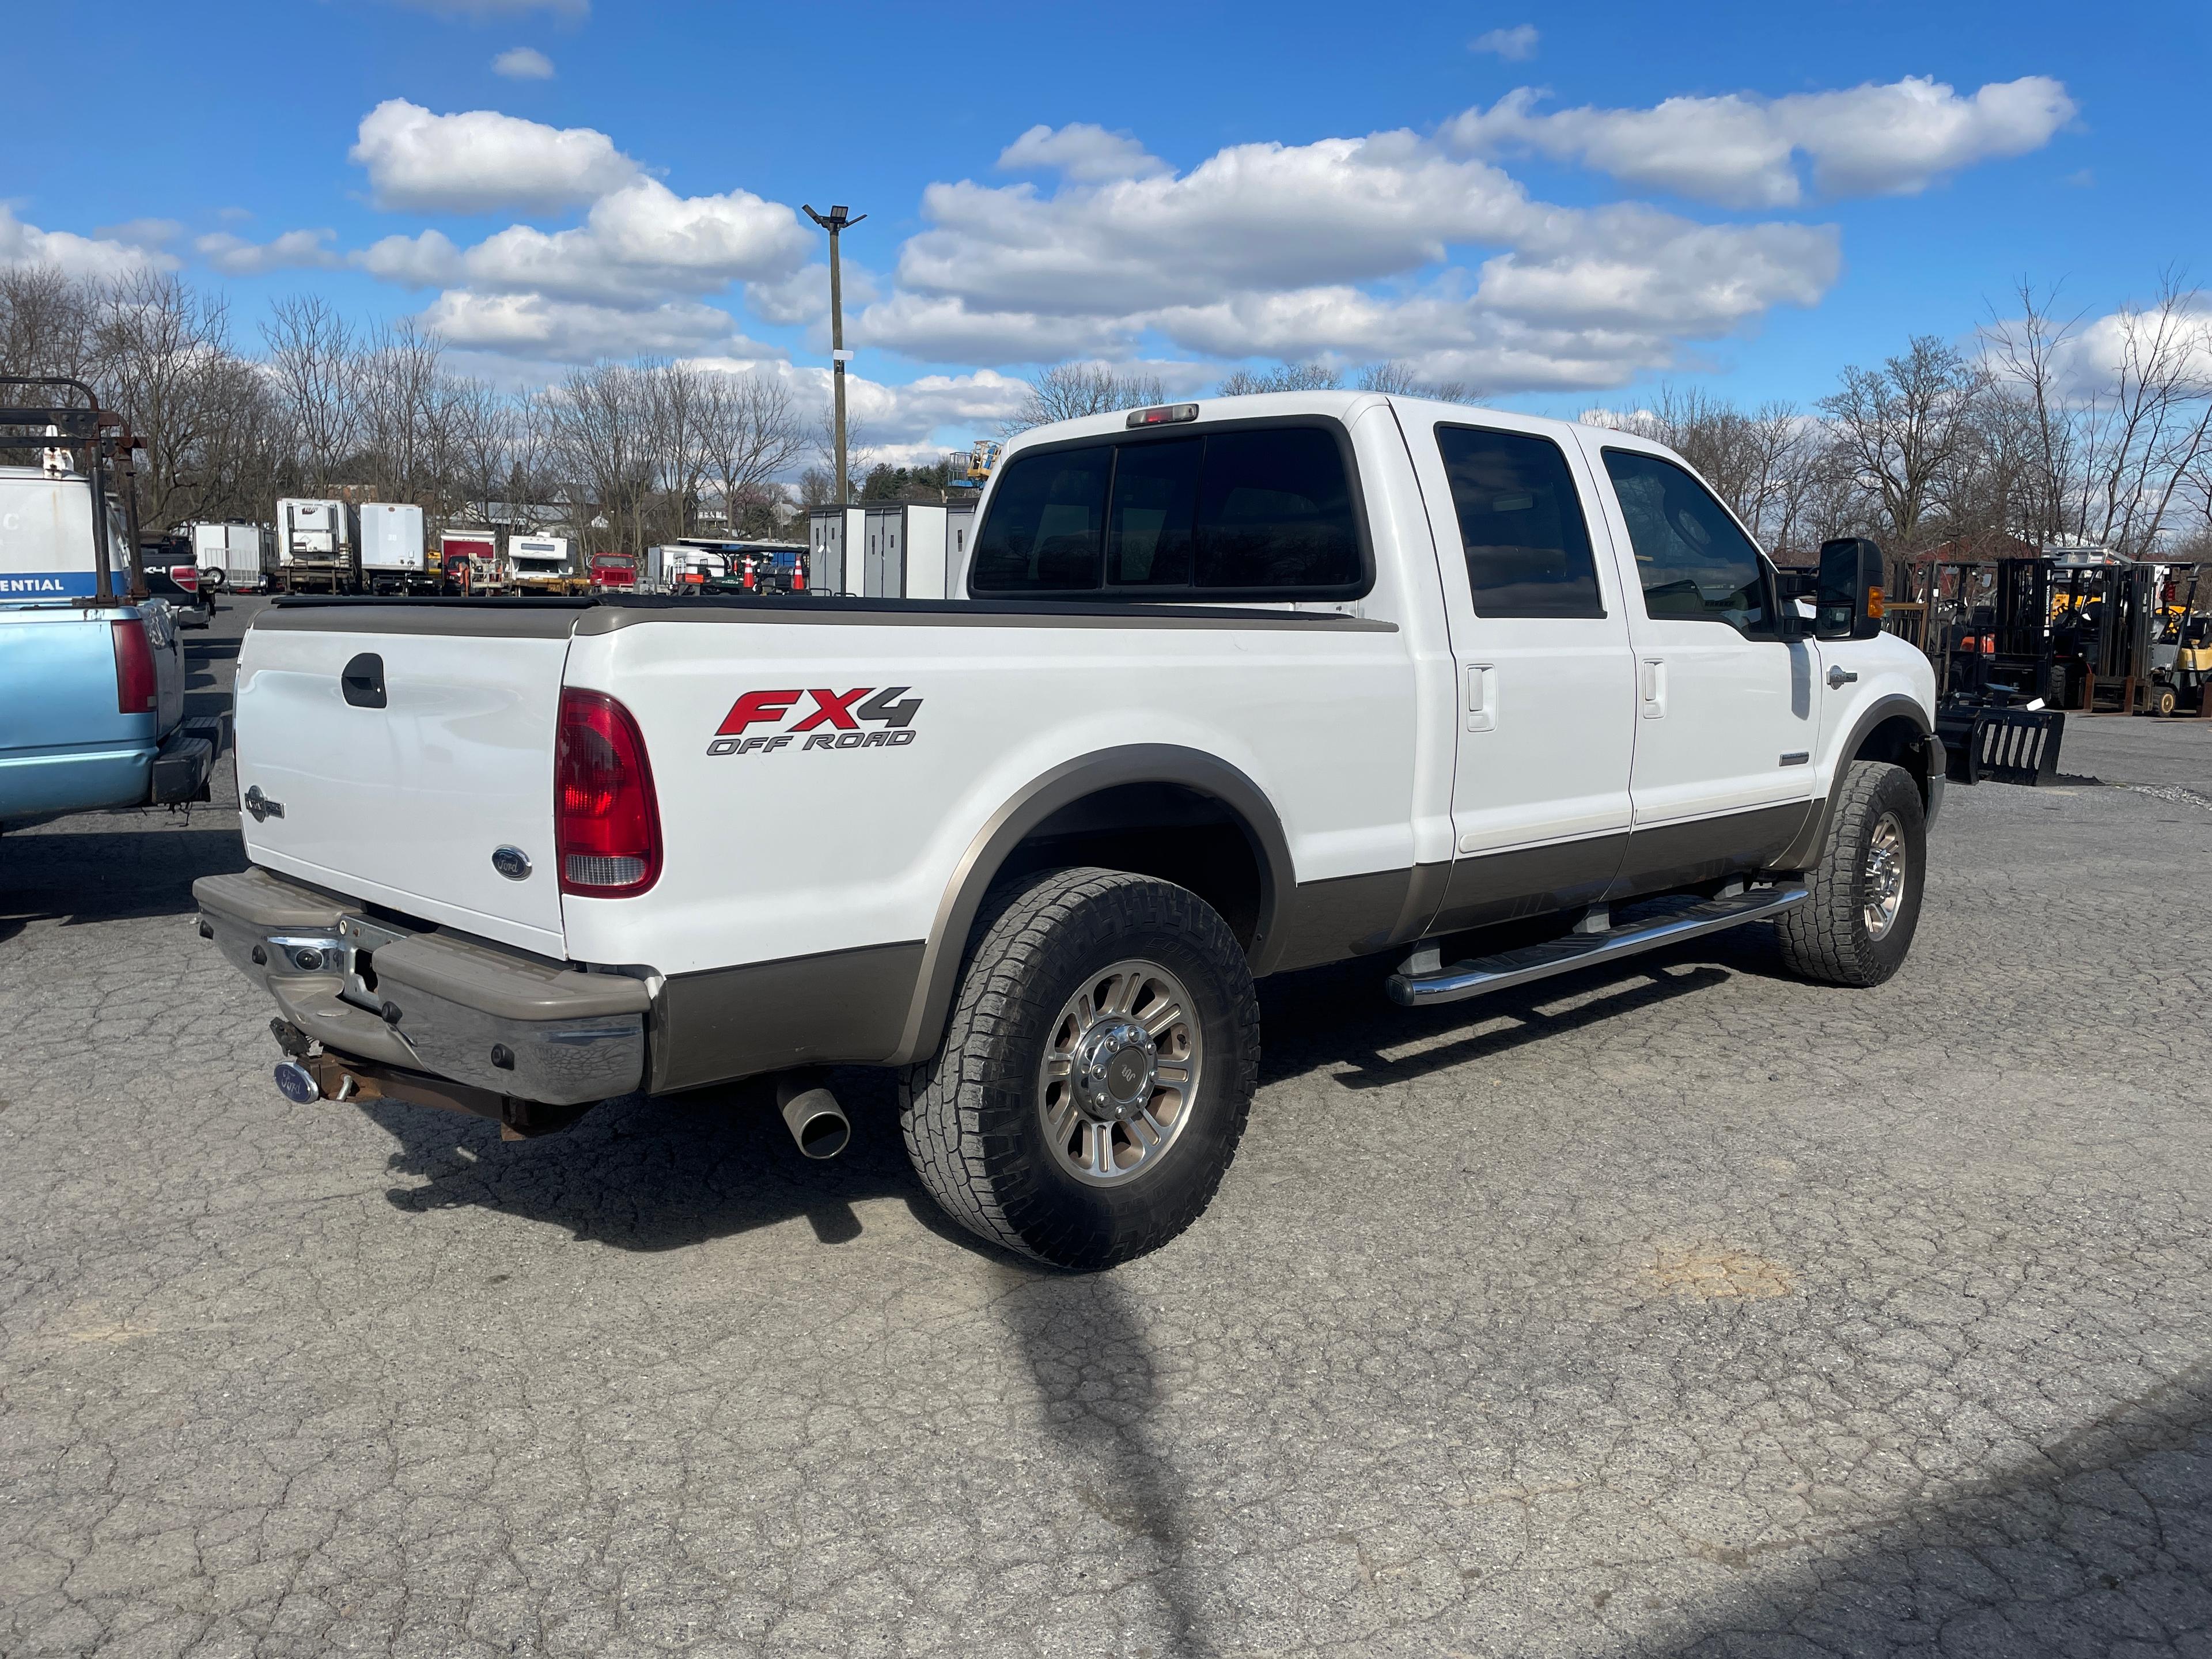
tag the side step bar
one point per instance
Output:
(1484, 975)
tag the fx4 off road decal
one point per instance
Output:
(834, 721)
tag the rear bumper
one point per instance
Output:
(431, 1001)
(47, 785)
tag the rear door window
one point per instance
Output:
(1275, 512)
(1521, 524)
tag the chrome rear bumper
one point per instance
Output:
(430, 1000)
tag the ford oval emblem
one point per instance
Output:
(512, 862)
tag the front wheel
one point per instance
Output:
(1095, 1074)
(1857, 925)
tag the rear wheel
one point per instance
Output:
(2162, 701)
(1097, 1071)
(1858, 926)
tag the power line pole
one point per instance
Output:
(834, 223)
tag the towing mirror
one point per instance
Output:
(1848, 603)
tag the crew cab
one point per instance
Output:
(1229, 689)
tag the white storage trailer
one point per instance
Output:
(393, 559)
(904, 553)
(959, 529)
(239, 557)
(835, 539)
(315, 546)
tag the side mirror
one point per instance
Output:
(1848, 602)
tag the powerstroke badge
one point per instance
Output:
(833, 721)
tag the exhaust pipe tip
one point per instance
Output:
(818, 1126)
(297, 1084)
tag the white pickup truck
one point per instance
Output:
(1230, 689)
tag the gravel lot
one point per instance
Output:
(1680, 1309)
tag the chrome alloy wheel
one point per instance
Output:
(1120, 1071)
(1881, 891)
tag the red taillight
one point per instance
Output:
(137, 690)
(607, 824)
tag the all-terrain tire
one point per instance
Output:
(1828, 939)
(972, 1115)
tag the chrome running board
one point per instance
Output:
(1483, 974)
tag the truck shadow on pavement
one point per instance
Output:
(1341, 1016)
(660, 1175)
(75, 875)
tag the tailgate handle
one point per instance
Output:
(363, 681)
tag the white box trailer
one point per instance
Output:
(316, 540)
(393, 555)
(239, 557)
(835, 539)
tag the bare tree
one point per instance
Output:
(752, 432)
(408, 413)
(318, 372)
(599, 432)
(45, 323)
(1068, 392)
(1903, 431)
(2146, 427)
(1400, 378)
(162, 356)
(1284, 377)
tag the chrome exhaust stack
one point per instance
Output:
(818, 1123)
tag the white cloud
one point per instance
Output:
(234, 216)
(643, 240)
(1080, 151)
(1339, 248)
(523, 63)
(566, 331)
(98, 258)
(804, 295)
(429, 260)
(1740, 150)
(295, 250)
(1515, 45)
(481, 160)
(142, 232)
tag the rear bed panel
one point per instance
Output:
(404, 806)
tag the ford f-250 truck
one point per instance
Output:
(1232, 689)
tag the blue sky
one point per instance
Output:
(1809, 199)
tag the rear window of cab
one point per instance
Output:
(1263, 511)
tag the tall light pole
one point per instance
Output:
(834, 222)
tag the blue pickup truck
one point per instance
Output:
(92, 680)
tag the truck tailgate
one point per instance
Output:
(404, 803)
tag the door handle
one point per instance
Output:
(1481, 697)
(1655, 689)
(1840, 675)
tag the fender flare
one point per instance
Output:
(946, 947)
(1806, 848)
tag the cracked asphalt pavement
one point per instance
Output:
(1677, 1309)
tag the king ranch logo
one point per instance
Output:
(835, 720)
